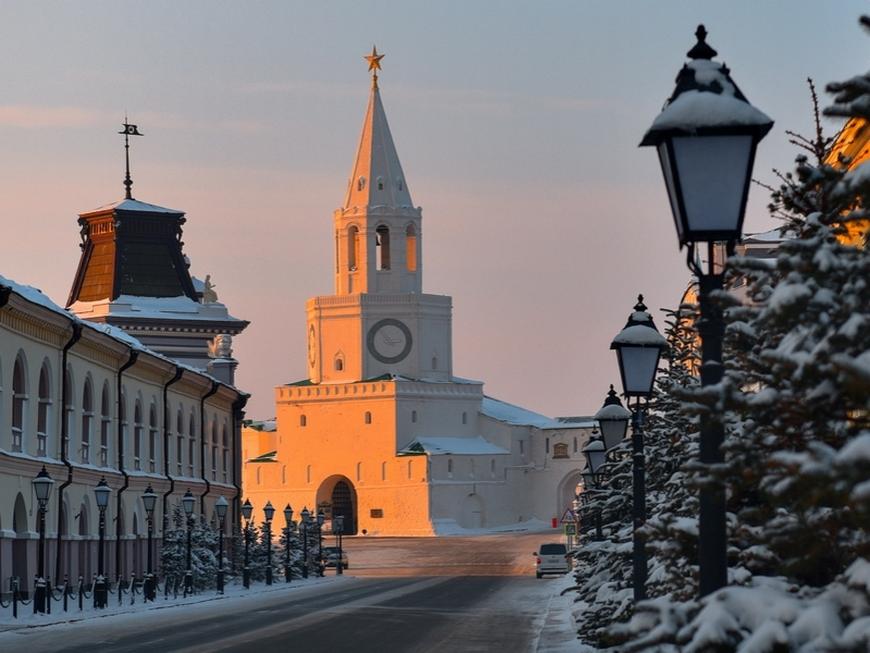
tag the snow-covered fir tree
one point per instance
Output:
(204, 550)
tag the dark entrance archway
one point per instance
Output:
(337, 496)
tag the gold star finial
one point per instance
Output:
(374, 60)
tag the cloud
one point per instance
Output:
(34, 117)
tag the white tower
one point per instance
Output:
(379, 320)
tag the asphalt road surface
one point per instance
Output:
(405, 594)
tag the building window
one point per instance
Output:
(303, 420)
(383, 471)
(105, 426)
(339, 365)
(522, 447)
(411, 248)
(575, 445)
(69, 411)
(434, 362)
(410, 469)
(450, 468)
(152, 438)
(359, 471)
(122, 417)
(43, 411)
(225, 452)
(382, 247)
(191, 447)
(380, 183)
(547, 445)
(492, 467)
(19, 403)
(258, 474)
(368, 417)
(87, 420)
(472, 467)
(465, 418)
(308, 474)
(284, 474)
(560, 450)
(179, 446)
(414, 416)
(137, 436)
(214, 441)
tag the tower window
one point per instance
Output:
(303, 420)
(380, 183)
(401, 184)
(352, 248)
(368, 417)
(547, 445)
(382, 245)
(413, 415)
(339, 365)
(411, 248)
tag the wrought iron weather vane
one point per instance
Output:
(128, 131)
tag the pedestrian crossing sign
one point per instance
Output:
(570, 529)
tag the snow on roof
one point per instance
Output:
(510, 414)
(613, 411)
(578, 421)
(772, 236)
(265, 425)
(36, 296)
(134, 205)
(182, 307)
(438, 446)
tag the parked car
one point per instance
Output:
(330, 554)
(552, 559)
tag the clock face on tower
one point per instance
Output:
(389, 341)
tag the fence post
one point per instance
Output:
(65, 592)
(15, 598)
(81, 594)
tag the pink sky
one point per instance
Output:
(517, 132)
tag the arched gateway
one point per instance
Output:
(337, 496)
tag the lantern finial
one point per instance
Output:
(701, 50)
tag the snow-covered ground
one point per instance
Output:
(233, 592)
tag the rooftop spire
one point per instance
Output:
(128, 131)
(376, 178)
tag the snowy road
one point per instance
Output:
(465, 594)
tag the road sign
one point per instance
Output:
(570, 529)
(569, 517)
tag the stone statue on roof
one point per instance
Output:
(209, 296)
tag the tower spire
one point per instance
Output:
(128, 131)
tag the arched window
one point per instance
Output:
(138, 427)
(191, 446)
(339, 364)
(19, 402)
(368, 417)
(69, 411)
(105, 426)
(560, 450)
(179, 446)
(352, 248)
(413, 415)
(303, 420)
(380, 183)
(152, 437)
(434, 362)
(492, 467)
(225, 451)
(43, 413)
(382, 247)
(450, 468)
(122, 418)
(575, 445)
(547, 445)
(214, 439)
(87, 419)
(411, 248)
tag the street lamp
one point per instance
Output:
(269, 512)
(288, 520)
(42, 484)
(338, 529)
(638, 348)
(188, 500)
(247, 512)
(149, 499)
(595, 453)
(220, 507)
(321, 517)
(306, 520)
(101, 592)
(706, 137)
(612, 419)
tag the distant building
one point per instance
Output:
(382, 431)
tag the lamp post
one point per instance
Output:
(338, 529)
(288, 521)
(638, 348)
(188, 500)
(149, 499)
(321, 517)
(269, 512)
(101, 592)
(42, 484)
(706, 137)
(306, 519)
(220, 507)
(596, 453)
(613, 420)
(247, 512)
